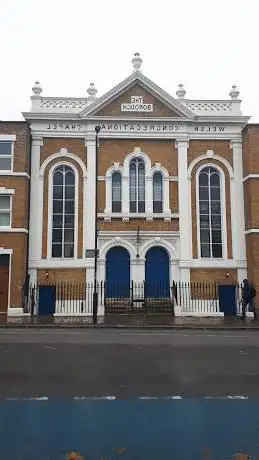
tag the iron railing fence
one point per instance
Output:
(76, 298)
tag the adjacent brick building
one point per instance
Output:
(172, 173)
(251, 194)
(14, 212)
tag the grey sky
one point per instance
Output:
(207, 45)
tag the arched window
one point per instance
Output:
(157, 192)
(210, 213)
(116, 192)
(63, 212)
(137, 185)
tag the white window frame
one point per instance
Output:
(222, 208)
(50, 212)
(3, 211)
(116, 172)
(125, 183)
(162, 190)
(165, 186)
(137, 153)
(137, 185)
(8, 138)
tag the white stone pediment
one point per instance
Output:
(175, 108)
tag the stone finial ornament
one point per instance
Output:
(180, 93)
(37, 89)
(92, 91)
(137, 61)
(234, 93)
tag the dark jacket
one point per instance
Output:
(246, 290)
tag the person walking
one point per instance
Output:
(248, 298)
(252, 303)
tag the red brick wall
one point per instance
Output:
(251, 199)
(133, 224)
(200, 147)
(159, 151)
(76, 275)
(20, 201)
(53, 145)
(211, 275)
(251, 149)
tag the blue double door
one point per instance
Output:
(118, 277)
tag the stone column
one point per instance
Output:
(237, 211)
(36, 209)
(184, 205)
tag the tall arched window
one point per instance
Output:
(210, 213)
(116, 192)
(63, 212)
(137, 185)
(157, 192)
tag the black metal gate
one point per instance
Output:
(140, 299)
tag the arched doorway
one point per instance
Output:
(157, 280)
(117, 270)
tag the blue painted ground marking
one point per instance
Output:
(148, 429)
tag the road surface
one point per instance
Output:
(65, 364)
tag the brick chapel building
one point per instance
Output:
(172, 177)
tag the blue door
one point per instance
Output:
(227, 300)
(118, 273)
(157, 282)
(47, 300)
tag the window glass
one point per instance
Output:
(137, 185)
(63, 209)
(5, 211)
(210, 213)
(6, 155)
(157, 192)
(116, 192)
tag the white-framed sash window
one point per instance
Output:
(5, 211)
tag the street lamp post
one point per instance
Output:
(95, 294)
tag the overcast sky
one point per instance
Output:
(206, 45)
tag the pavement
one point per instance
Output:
(107, 393)
(133, 321)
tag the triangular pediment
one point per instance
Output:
(137, 97)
